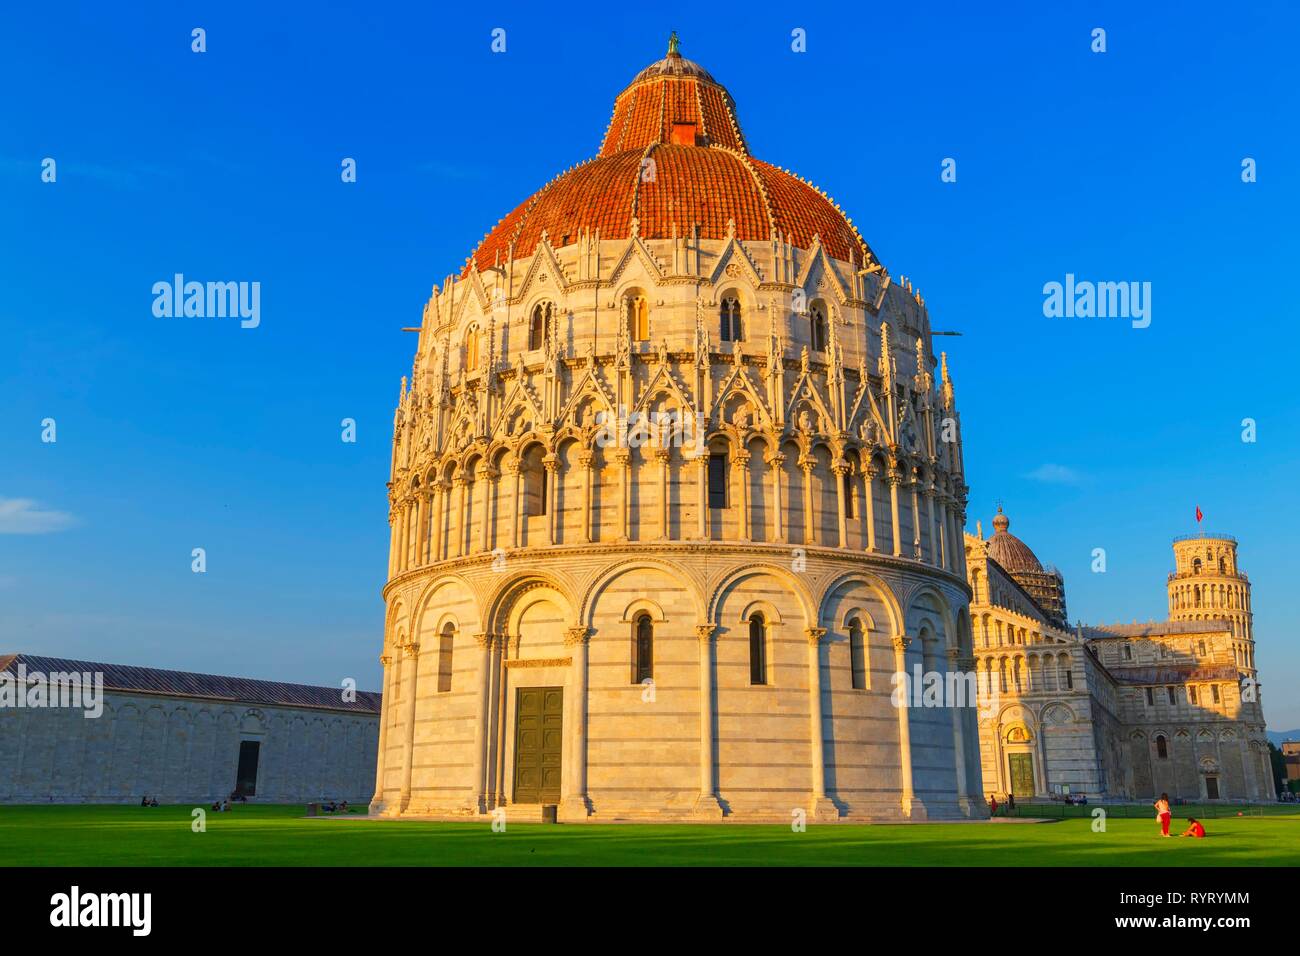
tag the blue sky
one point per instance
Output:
(183, 433)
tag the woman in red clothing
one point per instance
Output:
(1194, 828)
(1163, 814)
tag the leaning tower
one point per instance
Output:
(1207, 585)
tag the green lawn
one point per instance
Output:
(273, 835)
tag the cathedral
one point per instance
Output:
(1120, 711)
(676, 490)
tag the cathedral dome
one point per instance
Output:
(674, 158)
(1009, 551)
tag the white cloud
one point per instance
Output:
(22, 516)
(1055, 475)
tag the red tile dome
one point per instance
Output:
(673, 158)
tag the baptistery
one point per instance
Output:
(676, 495)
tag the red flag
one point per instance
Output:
(1199, 516)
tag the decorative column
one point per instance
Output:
(840, 469)
(402, 523)
(912, 808)
(516, 514)
(624, 458)
(870, 484)
(444, 520)
(742, 468)
(932, 519)
(945, 558)
(810, 536)
(916, 519)
(895, 479)
(377, 801)
(963, 665)
(464, 504)
(421, 499)
(778, 510)
(584, 462)
(702, 482)
(706, 804)
(552, 465)
(476, 800)
(439, 506)
(575, 802)
(489, 480)
(822, 807)
(408, 751)
(662, 455)
(392, 543)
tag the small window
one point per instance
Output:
(817, 327)
(848, 495)
(757, 649)
(1069, 678)
(643, 669)
(1162, 747)
(1196, 565)
(718, 480)
(1214, 692)
(1191, 695)
(1128, 652)
(446, 640)
(1201, 648)
(638, 318)
(473, 348)
(1172, 699)
(1222, 566)
(857, 655)
(539, 326)
(1151, 701)
(729, 319)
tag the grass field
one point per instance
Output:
(281, 836)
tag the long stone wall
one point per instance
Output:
(181, 750)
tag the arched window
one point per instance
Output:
(1196, 596)
(1222, 565)
(643, 662)
(817, 326)
(847, 480)
(857, 655)
(757, 649)
(473, 348)
(718, 479)
(539, 325)
(730, 319)
(1196, 565)
(1162, 747)
(638, 317)
(534, 473)
(446, 640)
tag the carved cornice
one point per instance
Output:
(540, 662)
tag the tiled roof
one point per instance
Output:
(705, 184)
(243, 690)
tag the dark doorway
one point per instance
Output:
(246, 775)
(1212, 788)
(539, 716)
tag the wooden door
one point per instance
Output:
(539, 740)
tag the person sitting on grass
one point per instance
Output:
(1194, 828)
(144, 801)
(216, 806)
(153, 801)
(343, 807)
